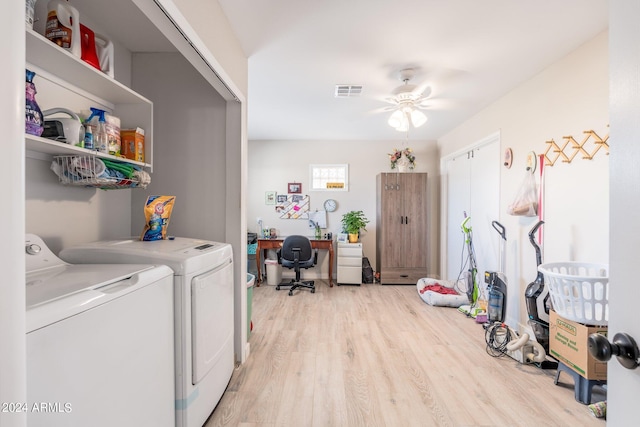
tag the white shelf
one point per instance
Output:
(76, 76)
(54, 148)
(56, 60)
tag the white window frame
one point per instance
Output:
(333, 170)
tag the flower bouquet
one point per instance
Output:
(397, 160)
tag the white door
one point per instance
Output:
(485, 204)
(458, 176)
(211, 319)
(473, 187)
(624, 57)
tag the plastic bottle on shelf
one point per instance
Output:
(88, 137)
(63, 26)
(100, 137)
(34, 119)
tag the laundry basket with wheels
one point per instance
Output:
(579, 291)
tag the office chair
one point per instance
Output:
(296, 253)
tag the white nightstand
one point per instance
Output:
(349, 263)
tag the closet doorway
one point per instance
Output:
(471, 185)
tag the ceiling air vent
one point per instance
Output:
(348, 91)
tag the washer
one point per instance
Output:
(99, 342)
(204, 329)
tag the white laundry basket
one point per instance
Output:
(579, 291)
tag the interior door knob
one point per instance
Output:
(624, 347)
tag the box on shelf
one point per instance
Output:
(133, 144)
(568, 344)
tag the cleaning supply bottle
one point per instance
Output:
(88, 137)
(63, 26)
(100, 138)
(34, 119)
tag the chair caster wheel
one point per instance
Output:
(290, 293)
(278, 288)
(313, 291)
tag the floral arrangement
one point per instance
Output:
(397, 155)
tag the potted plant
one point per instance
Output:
(352, 222)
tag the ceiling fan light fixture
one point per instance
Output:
(404, 126)
(418, 118)
(408, 115)
(396, 118)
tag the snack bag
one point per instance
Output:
(157, 212)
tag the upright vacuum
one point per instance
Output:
(497, 282)
(537, 298)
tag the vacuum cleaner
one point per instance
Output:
(497, 282)
(537, 298)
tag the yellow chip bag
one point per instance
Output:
(157, 212)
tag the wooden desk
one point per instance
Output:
(265, 244)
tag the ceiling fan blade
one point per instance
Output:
(381, 110)
(391, 100)
(436, 104)
(424, 90)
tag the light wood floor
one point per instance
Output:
(378, 356)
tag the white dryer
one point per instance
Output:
(99, 342)
(204, 325)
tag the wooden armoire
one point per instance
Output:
(401, 227)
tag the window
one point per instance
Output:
(329, 177)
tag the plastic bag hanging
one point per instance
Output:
(526, 201)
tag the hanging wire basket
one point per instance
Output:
(92, 171)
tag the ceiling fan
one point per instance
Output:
(407, 100)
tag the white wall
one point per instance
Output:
(273, 164)
(13, 383)
(209, 21)
(189, 146)
(568, 98)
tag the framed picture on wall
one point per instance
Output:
(282, 198)
(294, 188)
(270, 198)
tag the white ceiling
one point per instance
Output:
(470, 53)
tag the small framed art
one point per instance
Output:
(294, 188)
(270, 198)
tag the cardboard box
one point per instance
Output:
(132, 144)
(568, 344)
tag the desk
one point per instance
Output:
(264, 244)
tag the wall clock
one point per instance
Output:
(330, 205)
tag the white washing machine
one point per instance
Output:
(204, 326)
(99, 342)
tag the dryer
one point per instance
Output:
(203, 305)
(99, 342)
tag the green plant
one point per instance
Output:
(353, 221)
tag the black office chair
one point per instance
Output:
(296, 253)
